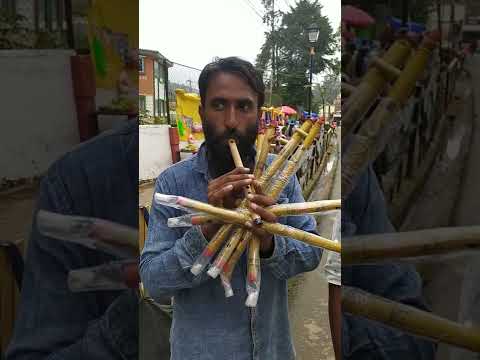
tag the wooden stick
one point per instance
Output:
(409, 319)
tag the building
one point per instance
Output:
(153, 83)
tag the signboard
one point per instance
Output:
(113, 38)
(189, 124)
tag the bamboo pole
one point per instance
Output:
(300, 235)
(226, 252)
(291, 209)
(363, 147)
(287, 150)
(204, 259)
(213, 245)
(295, 162)
(409, 319)
(385, 247)
(305, 208)
(371, 86)
(237, 160)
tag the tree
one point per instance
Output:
(289, 46)
(327, 91)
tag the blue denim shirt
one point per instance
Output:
(98, 179)
(364, 212)
(206, 325)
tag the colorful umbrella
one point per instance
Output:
(287, 110)
(354, 16)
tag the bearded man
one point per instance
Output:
(206, 325)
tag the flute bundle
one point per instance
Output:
(273, 180)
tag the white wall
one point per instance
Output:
(154, 150)
(38, 116)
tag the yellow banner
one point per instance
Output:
(113, 37)
(189, 123)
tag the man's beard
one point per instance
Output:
(220, 159)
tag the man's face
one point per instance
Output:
(230, 111)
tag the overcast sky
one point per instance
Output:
(192, 32)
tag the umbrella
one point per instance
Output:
(356, 17)
(287, 110)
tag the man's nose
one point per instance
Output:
(231, 119)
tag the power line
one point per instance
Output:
(249, 4)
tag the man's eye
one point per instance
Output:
(218, 106)
(245, 107)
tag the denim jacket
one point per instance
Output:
(364, 212)
(98, 179)
(206, 325)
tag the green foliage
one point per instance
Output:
(14, 34)
(291, 48)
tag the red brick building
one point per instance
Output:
(153, 83)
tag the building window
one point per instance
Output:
(50, 15)
(142, 103)
(162, 107)
(141, 64)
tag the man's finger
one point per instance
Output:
(225, 180)
(216, 197)
(262, 200)
(264, 214)
(240, 184)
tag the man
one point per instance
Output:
(206, 325)
(98, 179)
(364, 212)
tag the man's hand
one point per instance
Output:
(258, 202)
(226, 191)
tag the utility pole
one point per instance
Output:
(272, 75)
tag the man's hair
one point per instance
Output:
(236, 66)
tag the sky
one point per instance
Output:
(193, 32)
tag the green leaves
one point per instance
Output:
(289, 46)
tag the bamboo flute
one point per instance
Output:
(372, 84)
(213, 245)
(282, 157)
(202, 261)
(294, 163)
(290, 209)
(364, 145)
(409, 319)
(429, 242)
(305, 208)
(253, 257)
(277, 188)
(300, 235)
(226, 252)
